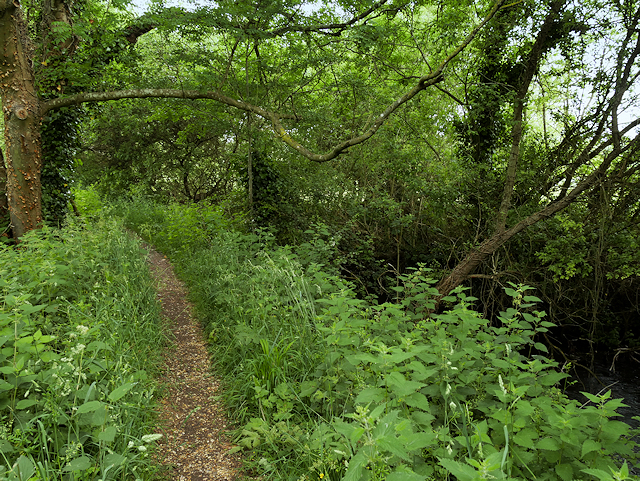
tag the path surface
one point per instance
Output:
(192, 421)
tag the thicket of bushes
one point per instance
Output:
(325, 385)
(79, 347)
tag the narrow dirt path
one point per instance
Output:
(191, 420)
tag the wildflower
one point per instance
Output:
(321, 475)
(78, 349)
(82, 329)
(452, 405)
(142, 448)
(504, 390)
(131, 444)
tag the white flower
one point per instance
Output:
(142, 448)
(501, 384)
(131, 444)
(452, 405)
(82, 329)
(78, 349)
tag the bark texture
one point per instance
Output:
(4, 205)
(21, 110)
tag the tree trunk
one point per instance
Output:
(21, 110)
(462, 271)
(4, 206)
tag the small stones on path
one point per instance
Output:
(192, 422)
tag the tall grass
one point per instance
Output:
(80, 346)
(329, 386)
(258, 305)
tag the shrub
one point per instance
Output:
(326, 385)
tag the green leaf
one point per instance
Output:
(391, 444)
(6, 446)
(100, 417)
(79, 464)
(402, 387)
(26, 403)
(589, 446)
(404, 476)
(419, 440)
(356, 465)
(417, 400)
(30, 309)
(564, 471)
(550, 444)
(113, 459)
(343, 428)
(108, 435)
(552, 378)
(117, 393)
(363, 357)
(541, 347)
(371, 394)
(463, 472)
(598, 473)
(307, 388)
(525, 437)
(355, 435)
(591, 397)
(24, 468)
(615, 429)
(90, 407)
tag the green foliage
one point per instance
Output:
(59, 141)
(326, 385)
(88, 202)
(163, 148)
(80, 343)
(566, 254)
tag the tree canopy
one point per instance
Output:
(442, 131)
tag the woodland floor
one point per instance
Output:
(193, 422)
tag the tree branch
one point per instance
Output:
(329, 26)
(425, 81)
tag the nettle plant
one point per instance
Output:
(74, 390)
(415, 396)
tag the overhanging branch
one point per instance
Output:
(433, 78)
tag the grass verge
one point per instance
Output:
(80, 345)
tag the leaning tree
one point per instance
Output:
(511, 47)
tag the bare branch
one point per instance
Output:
(156, 93)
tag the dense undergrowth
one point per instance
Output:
(80, 345)
(328, 386)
